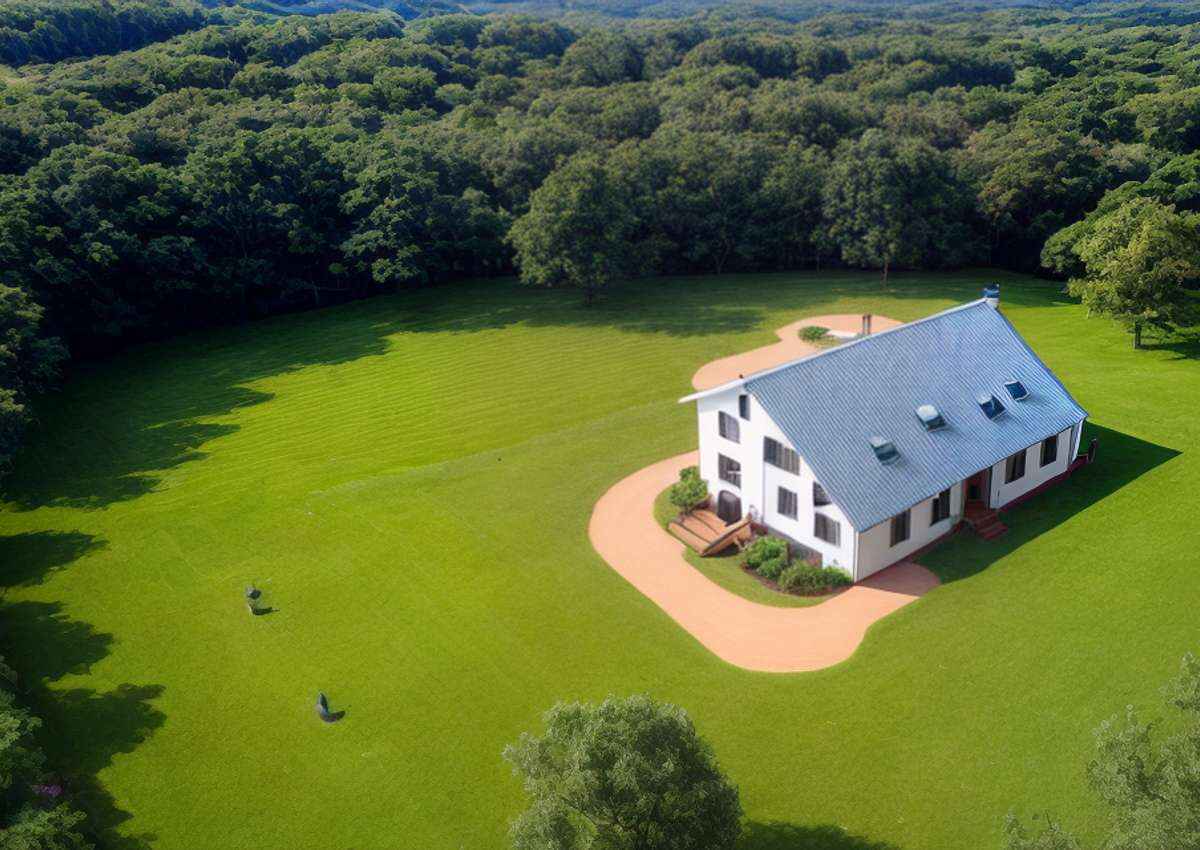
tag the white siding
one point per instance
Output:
(760, 481)
(1035, 474)
(875, 549)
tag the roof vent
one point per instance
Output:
(1016, 389)
(990, 405)
(884, 449)
(930, 417)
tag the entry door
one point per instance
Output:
(729, 507)
(977, 486)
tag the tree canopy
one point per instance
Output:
(627, 774)
(187, 165)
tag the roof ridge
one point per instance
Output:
(770, 370)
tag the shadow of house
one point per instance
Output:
(774, 835)
(83, 728)
(1120, 459)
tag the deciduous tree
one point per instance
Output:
(627, 774)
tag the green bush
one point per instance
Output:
(809, 578)
(690, 490)
(768, 556)
(772, 568)
(813, 333)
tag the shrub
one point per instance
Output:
(768, 556)
(809, 578)
(689, 491)
(813, 333)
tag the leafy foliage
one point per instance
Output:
(224, 164)
(768, 556)
(627, 774)
(1140, 260)
(690, 490)
(810, 578)
(1148, 785)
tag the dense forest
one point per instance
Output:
(240, 163)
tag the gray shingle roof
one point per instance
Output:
(831, 403)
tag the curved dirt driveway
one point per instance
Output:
(790, 346)
(743, 633)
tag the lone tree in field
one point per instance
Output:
(578, 228)
(627, 774)
(1141, 259)
(689, 491)
(1152, 789)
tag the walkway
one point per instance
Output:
(749, 635)
(789, 347)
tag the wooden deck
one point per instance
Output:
(706, 533)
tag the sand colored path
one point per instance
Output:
(744, 633)
(749, 635)
(789, 347)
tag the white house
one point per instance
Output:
(869, 451)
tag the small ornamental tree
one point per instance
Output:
(627, 774)
(689, 491)
(1151, 788)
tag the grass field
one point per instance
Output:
(409, 479)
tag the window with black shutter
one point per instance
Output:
(728, 426)
(779, 455)
(827, 529)
(820, 497)
(900, 527)
(1049, 450)
(744, 407)
(941, 507)
(729, 470)
(789, 502)
(1014, 467)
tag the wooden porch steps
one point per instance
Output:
(706, 533)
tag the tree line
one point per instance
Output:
(252, 167)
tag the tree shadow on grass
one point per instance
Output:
(28, 559)
(774, 835)
(119, 425)
(1120, 459)
(83, 728)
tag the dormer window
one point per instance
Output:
(930, 417)
(1016, 389)
(885, 450)
(990, 405)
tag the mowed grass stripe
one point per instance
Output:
(410, 478)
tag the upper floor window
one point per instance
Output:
(1049, 450)
(777, 454)
(744, 406)
(820, 497)
(1014, 467)
(900, 527)
(941, 507)
(729, 470)
(789, 502)
(728, 426)
(827, 529)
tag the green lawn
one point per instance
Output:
(410, 480)
(726, 570)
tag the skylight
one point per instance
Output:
(1016, 389)
(930, 417)
(884, 449)
(990, 405)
